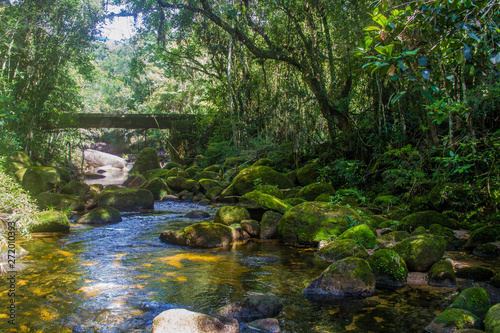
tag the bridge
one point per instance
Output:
(182, 142)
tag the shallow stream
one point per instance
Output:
(118, 277)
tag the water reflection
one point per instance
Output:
(118, 277)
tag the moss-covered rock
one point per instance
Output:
(75, 188)
(204, 235)
(295, 201)
(452, 319)
(171, 165)
(474, 300)
(213, 193)
(475, 273)
(40, 179)
(309, 173)
(385, 201)
(452, 242)
(252, 227)
(147, 160)
(158, 188)
(269, 225)
(492, 320)
(349, 277)
(252, 308)
(234, 161)
(245, 181)
(341, 249)
(480, 236)
(453, 196)
(393, 237)
(177, 172)
(154, 173)
(179, 184)
(271, 190)
(495, 281)
(50, 221)
(193, 170)
(419, 231)
(207, 184)
(488, 250)
(259, 202)
(127, 199)
(228, 215)
(17, 163)
(442, 274)
(207, 175)
(426, 219)
(312, 191)
(100, 215)
(134, 181)
(362, 234)
(264, 162)
(421, 252)
(389, 269)
(50, 200)
(311, 222)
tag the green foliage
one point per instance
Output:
(342, 173)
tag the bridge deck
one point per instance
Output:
(130, 121)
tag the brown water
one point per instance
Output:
(118, 277)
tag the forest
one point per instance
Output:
(390, 107)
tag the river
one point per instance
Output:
(118, 277)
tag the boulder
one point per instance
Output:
(228, 215)
(99, 158)
(179, 184)
(170, 165)
(349, 277)
(127, 199)
(252, 227)
(203, 235)
(341, 249)
(442, 274)
(50, 221)
(134, 181)
(75, 188)
(389, 269)
(154, 173)
(421, 252)
(207, 184)
(197, 214)
(213, 193)
(50, 200)
(475, 273)
(311, 222)
(100, 215)
(252, 308)
(362, 234)
(492, 320)
(40, 179)
(264, 162)
(452, 319)
(268, 325)
(157, 187)
(207, 175)
(257, 203)
(308, 174)
(184, 321)
(245, 181)
(147, 160)
(488, 250)
(269, 225)
(393, 237)
(480, 236)
(312, 191)
(474, 300)
(426, 219)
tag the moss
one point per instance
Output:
(204, 235)
(481, 236)
(49, 200)
(158, 188)
(421, 252)
(207, 175)
(442, 274)
(341, 249)
(385, 201)
(271, 190)
(127, 199)
(40, 179)
(154, 173)
(362, 234)
(488, 250)
(171, 165)
(389, 268)
(419, 231)
(193, 170)
(259, 200)
(179, 184)
(263, 162)
(311, 191)
(452, 319)
(295, 201)
(492, 320)
(100, 215)
(311, 222)
(228, 215)
(426, 219)
(147, 160)
(214, 192)
(244, 182)
(309, 173)
(473, 299)
(207, 184)
(393, 237)
(74, 187)
(50, 221)
(234, 161)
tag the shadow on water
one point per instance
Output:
(118, 277)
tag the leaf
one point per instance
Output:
(397, 97)
(422, 60)
(450, 77)
(401, 65)
(380, 20)
(472, 70)
(371, 28)
(412, 77)
(426, 74)
(410, 53)
(473, 36)
(434, 88)
(467, 52)
(385, 50)
(495, 58)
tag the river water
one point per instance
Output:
(118, 277)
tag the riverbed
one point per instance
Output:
(118, 277)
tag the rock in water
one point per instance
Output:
(184, 321)
(99, 158)
(252, 308)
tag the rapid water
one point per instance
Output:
(118, 277)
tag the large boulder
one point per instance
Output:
(252, 308)
(158, 188)
(492, 320)
(309, 173)
(258, 203)
(475, 300)
(40, 179)
(228, 215)
(100, 215)
(311, 222)
(349, 277)
(312, 191)
(389, 268)
(442, 274)
(99, 158)
(184, 321)
(50, 221)
(66, 202)
(245, 181)
(426, 219)
(75, 188)
(147, 160)
(341, 249)
(452, 319)
(127, 199)
(269, 225)
(203, 235)
(179, 184)
(17, 163)
(154, 173)
(421, 252)
(481, 236)
(362, 234)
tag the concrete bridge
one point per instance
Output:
(181, 141)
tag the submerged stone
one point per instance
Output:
(252, 308)
(184, 321)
